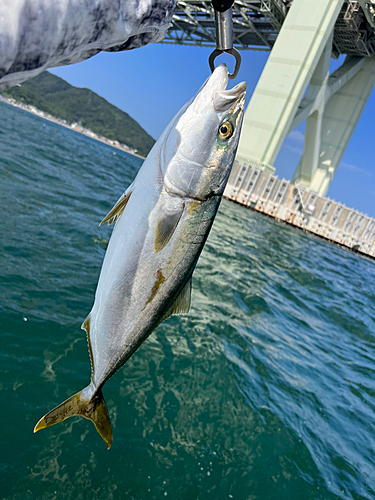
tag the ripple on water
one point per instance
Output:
(266, 387)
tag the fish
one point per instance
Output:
(162, 222)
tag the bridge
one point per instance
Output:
(295, 85)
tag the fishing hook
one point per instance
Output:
(224, 35)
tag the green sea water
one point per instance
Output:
(264, 391)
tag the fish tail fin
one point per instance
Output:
(93, 409)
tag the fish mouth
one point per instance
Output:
(223, 98)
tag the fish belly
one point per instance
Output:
(137, 285)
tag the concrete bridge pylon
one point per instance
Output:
(295, 85)
(332, 120)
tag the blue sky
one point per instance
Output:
(152, 83)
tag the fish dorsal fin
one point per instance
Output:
(165, 227)
(86, 326)
(117, 210)
(181, 304)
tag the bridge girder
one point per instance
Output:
(256, 23)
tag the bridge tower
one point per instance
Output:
(331, 104)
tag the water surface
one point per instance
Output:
(264, 391)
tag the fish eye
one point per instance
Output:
(225, 130)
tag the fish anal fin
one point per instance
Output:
(117, 210)
(181, 304)
(93, 409)
(86, 326)
(167, 223)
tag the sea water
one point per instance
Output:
(264, 391)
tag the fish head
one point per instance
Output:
(200, 148)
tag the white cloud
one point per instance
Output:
(294, 149)
(354, 168)
(296, 136)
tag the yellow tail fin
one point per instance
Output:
(93, 409)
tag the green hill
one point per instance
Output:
(55, 96)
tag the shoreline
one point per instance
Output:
(85, 132)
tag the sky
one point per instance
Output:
(152, 83)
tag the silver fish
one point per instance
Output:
(162, 222)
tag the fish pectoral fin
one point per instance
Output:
(93, 409)
(167, 223)
(117, 210)
(181, 304)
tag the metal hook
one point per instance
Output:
(233, 52)
(224, 38)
